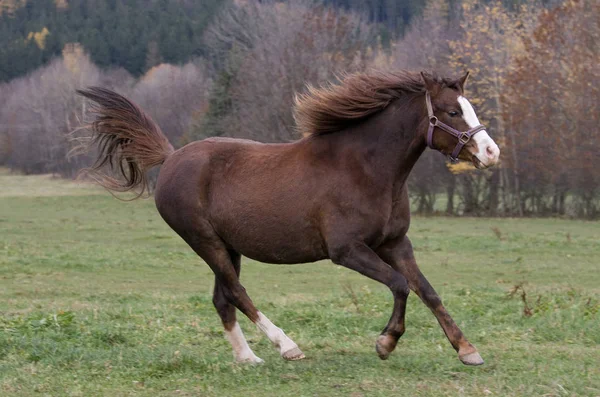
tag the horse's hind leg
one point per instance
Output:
(241, 350)
(212, 249)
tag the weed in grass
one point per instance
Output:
(497, 233)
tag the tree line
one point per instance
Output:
(534, 84)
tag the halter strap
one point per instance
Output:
(463, 137)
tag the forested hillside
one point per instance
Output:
(139, 34)
(133, 34)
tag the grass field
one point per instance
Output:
(100, 297)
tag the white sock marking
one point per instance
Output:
(275, 334)
(482, 139)
(241, 350)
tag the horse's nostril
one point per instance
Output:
(490, 151)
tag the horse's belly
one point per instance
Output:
(284, 249)
(271, 239)
(290, 257)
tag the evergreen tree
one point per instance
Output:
(114, 32)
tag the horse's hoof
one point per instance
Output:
(471, 359)
(252, 360)
(384, 346)
(293, 354)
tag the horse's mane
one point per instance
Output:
(333, 107)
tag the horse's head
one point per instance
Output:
(454, 128)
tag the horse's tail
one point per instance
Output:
(127, 139)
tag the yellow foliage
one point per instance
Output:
(460, 168)
(159, 72)
(61, 4)
(73, 53)
(9, 6)
(381, 59)
(39, 37)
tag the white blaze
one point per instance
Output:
(482, 139)
(241, 350)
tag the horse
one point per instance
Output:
(339, 192)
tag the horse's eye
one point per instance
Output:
(453, 113)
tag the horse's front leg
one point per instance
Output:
(359, 257)
(399, 254)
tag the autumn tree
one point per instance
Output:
(41, 108)
(553, 100)
(491, 37)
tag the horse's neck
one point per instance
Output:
(390, 141)
(410, 156)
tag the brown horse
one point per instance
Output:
(338, 193)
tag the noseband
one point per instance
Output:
(463, 137)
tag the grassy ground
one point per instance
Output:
(99, 297)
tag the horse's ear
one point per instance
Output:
(460, 83)
(430, 84)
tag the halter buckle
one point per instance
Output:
(464, 137)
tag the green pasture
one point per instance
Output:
(100, 298)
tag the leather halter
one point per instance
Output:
(463, 137)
